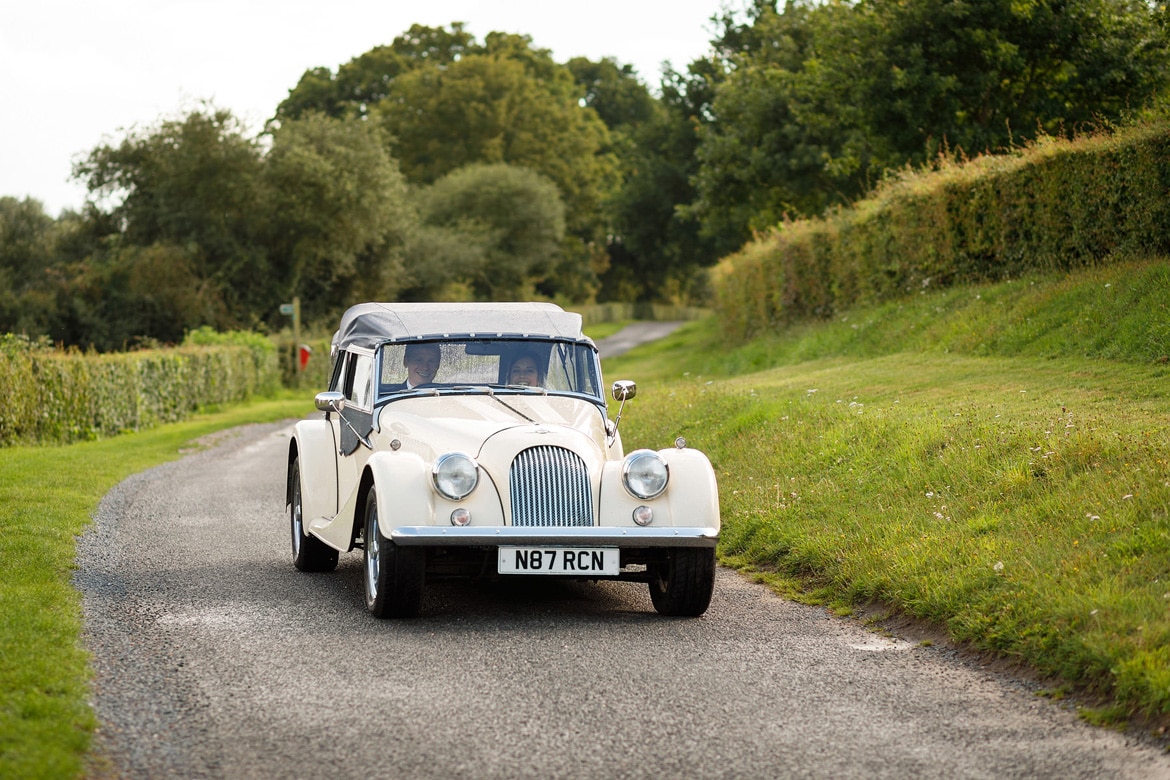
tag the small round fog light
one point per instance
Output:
(460, 517)
(643, 515)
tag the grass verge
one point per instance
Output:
(47, 497)
(1006, 488)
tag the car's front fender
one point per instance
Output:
(691, 498)
(693, 492)
(406, 496)
(317, 456)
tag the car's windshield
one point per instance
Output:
(508, 365)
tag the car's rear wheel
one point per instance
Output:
(681, 586)
(309, 553)
(394, 575)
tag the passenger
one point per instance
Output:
(525, 370)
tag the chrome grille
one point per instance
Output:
(550, 487)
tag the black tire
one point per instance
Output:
(394, 576)
(309, 553)
(682, 586)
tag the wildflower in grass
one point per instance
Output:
(998, 567)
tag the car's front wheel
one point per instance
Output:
(681, 586)
(394, 575)
(309, 553)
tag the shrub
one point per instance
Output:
(63, 395)
(1053, 206)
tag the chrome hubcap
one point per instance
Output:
(373, 544)
(297, 526)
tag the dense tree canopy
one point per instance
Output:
(337, 214)
(814, 101)
(192, 183)
(495, 229)
(200, 224)
(448, 101)
(614, 91)
(488, 108)
(439, 165)
(656, 249)
(28, 240)
(367, 79)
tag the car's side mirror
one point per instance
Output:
(624, 390)
(330, 401)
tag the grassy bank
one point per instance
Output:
(47, 496)
(976, 471)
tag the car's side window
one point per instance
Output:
(359, 381)
(337, 379)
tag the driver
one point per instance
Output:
(422, 363)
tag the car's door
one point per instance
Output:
(352, 427)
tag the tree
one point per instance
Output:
(491, 109)
(337, 214)
(817, 101)
(983, 74)
(27, 251)
(191, 182)
(368, 78)
(774, 146)
(495, 230)
(448, 102)
(614, 91)
(132, 295)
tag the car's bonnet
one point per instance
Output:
(431, 426)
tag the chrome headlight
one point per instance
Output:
(645, 474)
(455, 475)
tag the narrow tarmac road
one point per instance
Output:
(634, 334)
(215, 658)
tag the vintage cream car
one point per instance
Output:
(473, 440)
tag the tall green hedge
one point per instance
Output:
(58, 396)
(1053, 206)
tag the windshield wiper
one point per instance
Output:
(509, 406)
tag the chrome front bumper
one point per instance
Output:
(435, 536)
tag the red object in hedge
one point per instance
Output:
(303, 353)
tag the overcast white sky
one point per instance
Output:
(76, 72)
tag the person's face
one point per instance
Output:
(524, 373)
(421, 365)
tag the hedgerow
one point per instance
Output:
(56, 396)
(1054, 205)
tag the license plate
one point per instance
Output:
(560, 560)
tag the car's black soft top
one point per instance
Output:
(370, 324)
